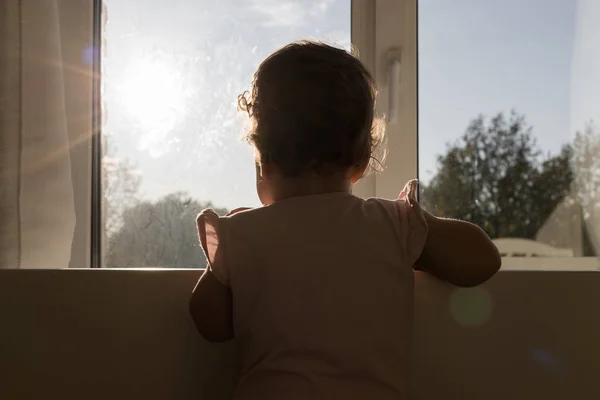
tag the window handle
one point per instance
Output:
(394, 65)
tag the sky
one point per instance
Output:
(172, 73)
(488, 56)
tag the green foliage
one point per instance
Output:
(121, 182)
(159, 234)
(496, 177)
(586, 166)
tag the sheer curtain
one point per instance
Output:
(45, 129)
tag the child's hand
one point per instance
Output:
(410, 191)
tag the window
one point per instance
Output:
(508, 136)
(171, 134)
(503, 132)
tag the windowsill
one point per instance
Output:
(551, 264)
(509, 265)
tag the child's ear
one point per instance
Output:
(262, 170)
(266, 170)
(258, 170)
(359, 172)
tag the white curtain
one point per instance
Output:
(45, 127)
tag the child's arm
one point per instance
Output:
(211, 304)
(211, 308)
(458, 252)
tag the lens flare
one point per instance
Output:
(472, 307)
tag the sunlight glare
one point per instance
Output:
(153, 93)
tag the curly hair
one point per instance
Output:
(312, 108)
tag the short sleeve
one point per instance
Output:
(413, 221)
(210, 233)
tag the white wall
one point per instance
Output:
(119, 334)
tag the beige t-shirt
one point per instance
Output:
(322, 294)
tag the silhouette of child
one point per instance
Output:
(316, 286)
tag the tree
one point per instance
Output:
(495, 176)
(121, 184)
(159, 234)
(586, 168)
(552, 184)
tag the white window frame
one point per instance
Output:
(378, 27)
(381, 26)
(384, 31)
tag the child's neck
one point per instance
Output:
(308, 185)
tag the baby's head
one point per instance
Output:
(313, 124)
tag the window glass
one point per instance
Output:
(172, 72)
(508, 127)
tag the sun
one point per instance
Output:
(153, 93)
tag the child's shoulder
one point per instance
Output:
(239, 216)
(405, 203)
(243, 213)
(237, 213)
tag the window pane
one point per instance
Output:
(508, 127)
(172, 72)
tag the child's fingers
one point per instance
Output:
(410, 191)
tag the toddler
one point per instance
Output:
(316, 286)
